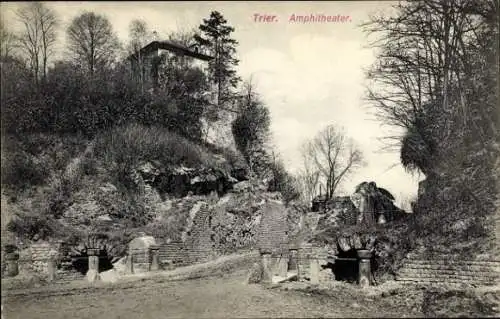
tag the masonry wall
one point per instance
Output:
(34, 260)
(196, 249)
(173, 253)
(40, 253)
(304, 254)
(273, 230)
(449, 271)
(199, 244)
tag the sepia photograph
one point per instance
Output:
(259, 159)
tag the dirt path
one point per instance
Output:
(219, 297)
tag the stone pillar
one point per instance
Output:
(304, 255)
(154, 251)
(93, 272)
(52, 262)
(12, 264)
(283, 266)
(292, 261)
(364, 275)
(314, 270)
(130, 262)
(51, 267)
(267, 275)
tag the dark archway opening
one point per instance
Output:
(346, 269)
(80, 262)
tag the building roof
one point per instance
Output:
(173, 47)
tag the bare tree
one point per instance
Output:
(38, 37)
(139, 36)
(426, 75)
(334, 156)
(184, 36)
(308, 177)
(6, 41)
(436, 72)
(92, 41)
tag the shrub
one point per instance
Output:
(283, 182)
(20, 171)
(29, 225)
(28, 160)
(128, 208)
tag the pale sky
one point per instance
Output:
(308, 74)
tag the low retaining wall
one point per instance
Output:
(449, 271)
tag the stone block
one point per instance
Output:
(282, 266)
(92, 275)
(314, 270)
(267, 274)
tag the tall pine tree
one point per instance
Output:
(216, 38)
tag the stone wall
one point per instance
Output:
(40, 253)
(35, 260)
(199, 245)
(304, 254)
(173, 253)
(273, 229)
(447, 270)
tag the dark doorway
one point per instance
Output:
(346, 269)
(81, 262)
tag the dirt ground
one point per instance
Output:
(225, 296)
(216, 297)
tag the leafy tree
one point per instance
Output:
(92, 42)
(183, 90)
(251, 130)
(216, 37)
(282, 181)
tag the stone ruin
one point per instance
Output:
(182, 180)
(369, 204)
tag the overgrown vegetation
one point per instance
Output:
(125, 147)
(440, 61)
(75, 130)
